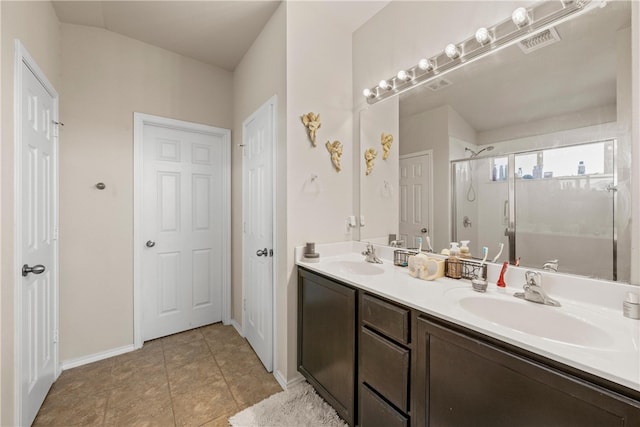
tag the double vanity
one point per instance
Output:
(387, 349)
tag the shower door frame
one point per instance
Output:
(510, 231)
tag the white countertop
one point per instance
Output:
(597, 305)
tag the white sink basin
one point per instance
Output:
(361, 268)
(535, 319)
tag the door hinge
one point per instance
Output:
(56, 233)
(244, 304)
(55, 335)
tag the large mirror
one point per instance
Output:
(493, 147)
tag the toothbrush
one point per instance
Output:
(485, 253)
(499, 253)
(429, 247)
(419, 239)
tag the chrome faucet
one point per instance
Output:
(551, 265)
(533, 290)
(370, 255)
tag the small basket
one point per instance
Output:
(469, 269)
(401, 257)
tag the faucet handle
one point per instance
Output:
(551, 265)
(533, 278)
(369, 249)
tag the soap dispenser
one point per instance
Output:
(454, 268)
(464, 249)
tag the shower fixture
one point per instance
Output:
(471, 192)
(477, 153)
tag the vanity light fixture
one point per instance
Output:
(385, 85)
(482, 36)
(452, 51)
(425, 64)
(520, 17)
(539, 17)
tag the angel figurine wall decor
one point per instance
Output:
(312, 122)
(369, 157)
(335, 149)
(386, 140)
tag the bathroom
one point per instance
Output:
(303, 49)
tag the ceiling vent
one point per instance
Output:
(539, 40)
(438, 84)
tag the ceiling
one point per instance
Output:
(216, 32)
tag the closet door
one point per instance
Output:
(183, 224)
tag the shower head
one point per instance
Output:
(477, 153)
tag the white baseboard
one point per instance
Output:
(236, 325)
(74, 363)
(284, 383)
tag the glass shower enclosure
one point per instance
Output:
(542, 205)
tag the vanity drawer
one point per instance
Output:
(384, 317)
(374, 411)
(385, 367)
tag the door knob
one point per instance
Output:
(262, 252)
(36, 269)
(424, 230)
(150, 244)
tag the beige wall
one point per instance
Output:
(635, 137)
(106, 77)
(36, 25)
(378, 203)
(318, 80)
(429, 130)
(260, 75)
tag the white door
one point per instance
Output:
(37, 257)
(415, 198)
(184, 206)
(258, 195)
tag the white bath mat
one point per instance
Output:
(297, 406)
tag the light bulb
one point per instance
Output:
(482, 35)
(425, 64)
(367, 93)
(451, 51)
(520, 16)
(385, 85)
(403, 76)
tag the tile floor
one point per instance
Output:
(195, 378)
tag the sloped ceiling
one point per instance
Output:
(214, 32)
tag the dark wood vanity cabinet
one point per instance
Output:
(327, 340)
(417, 370)
(460, 380)
(384, 363)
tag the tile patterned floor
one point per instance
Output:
(195, 378)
